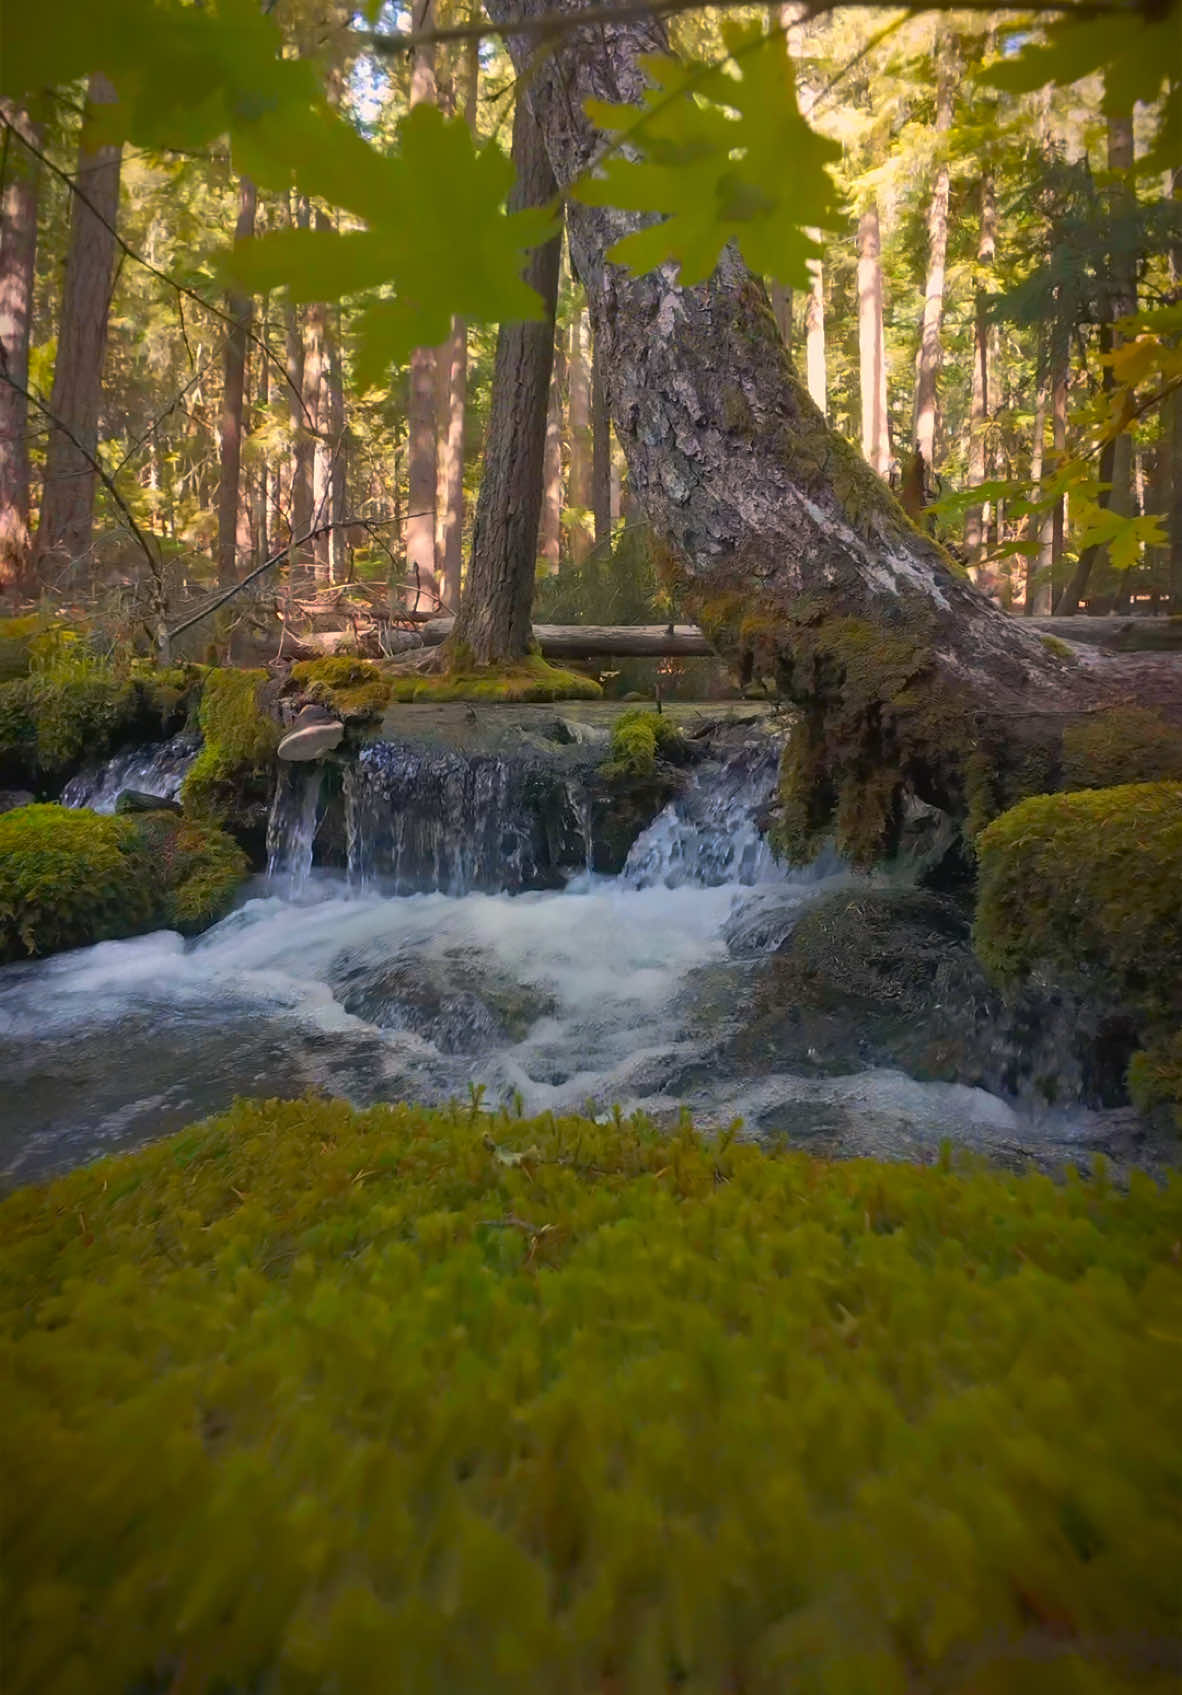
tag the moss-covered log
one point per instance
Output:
(793, 556)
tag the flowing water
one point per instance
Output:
(604, 992)
(154, 770)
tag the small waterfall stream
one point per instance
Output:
(156, 769)
(291, 828)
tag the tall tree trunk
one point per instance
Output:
(814, 333)
(338, 491)
(260, 525)
(238, 311)
(449, 529)
(493, 623)
(550, 527)
(782, 312)
(303, 416)
(315, 361)
(876, 431)
(67, 505)
(601, 452)
(1060, 358)
(1037, 598)
(797, 560)
(18, 263)
(422, 588)
(1172, 445)
(328, 407)
(979, 411)
(579, 484)
(930, 356)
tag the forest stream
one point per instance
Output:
(628, 991)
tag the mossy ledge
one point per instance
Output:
(230, 780)
(525, 680)
(50, 726)
(303, 1394)
(70, 877)
(639, 740)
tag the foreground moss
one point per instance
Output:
(69, 877)
(308, 1399)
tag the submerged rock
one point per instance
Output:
(136, 800)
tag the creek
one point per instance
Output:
(462, 948)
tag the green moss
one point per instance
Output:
(51, 725)
(1155, 1076)
(1126, 744)
(1060, 650)
(69, 877)
(16, 641)
(639, 739)
(1089, 885)
(311, 1399)
(353, 688)
(232, 773)
(529, 679)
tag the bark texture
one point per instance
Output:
(876, 431)
(794, 557)
(238, 310)
(18, 260)
(67, 505)
(493, 623)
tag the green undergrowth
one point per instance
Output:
(531, 679)
(231, 776)
(69, 877)
(17, 636)
(308, 1399)
(639, 738)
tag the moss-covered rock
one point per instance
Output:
(69, 877)
(639, 739)
(230, 780)
(310, 1399)
(1155, 1076)
(1127, 744)
(530, 679)
(1088, 888)
(352, 688)
(50, 726)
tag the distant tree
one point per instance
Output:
(18, 255)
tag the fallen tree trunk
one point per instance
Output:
(796, 560)
(592, 641)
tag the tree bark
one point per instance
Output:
(1172, 444)
(449, 534)
(238, 311)
(601, 452)
(1039, 598)
(876, 430)
(930, 356)
(796, 560)
(979, 412)
(18, 263)
(782, 312)
(579, 483)
(493, 622)
(550, 527)
(421, 406)
(67, 504)
(303, 414)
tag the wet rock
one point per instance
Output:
(10, 799)
(458, 1005)
(136, 800)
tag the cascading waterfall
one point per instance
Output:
(159, 768)
(291, 828)
(712, 833)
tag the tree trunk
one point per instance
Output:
(601, 452)
(18, 261)
(421, 405)
(493, 622)
(930, 356)
(327, 405)
(814, 333)
(67, 504)
(782, 312)
(303, 415)
(238, 311)
(794, 557)
(1172, 444)
(876, 430)
(449, 531)
(1039, 596)
(550, 528)
(974, 528)
(261, 488)
(315, 362)
(1123, 282)
(579, 484)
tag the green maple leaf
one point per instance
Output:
(724, 155)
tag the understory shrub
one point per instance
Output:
(307, 1399)
(69, 877)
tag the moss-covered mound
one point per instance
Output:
(1089, 887)
(306, 1400)
(1155, 1076)
(354, 688)
(69, 877)
(230, 780)
(51, 725)
(639, 739)
(530, 679)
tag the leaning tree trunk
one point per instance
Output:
(784, 544)
(493, 622)
(67, 504)
(18, 263)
